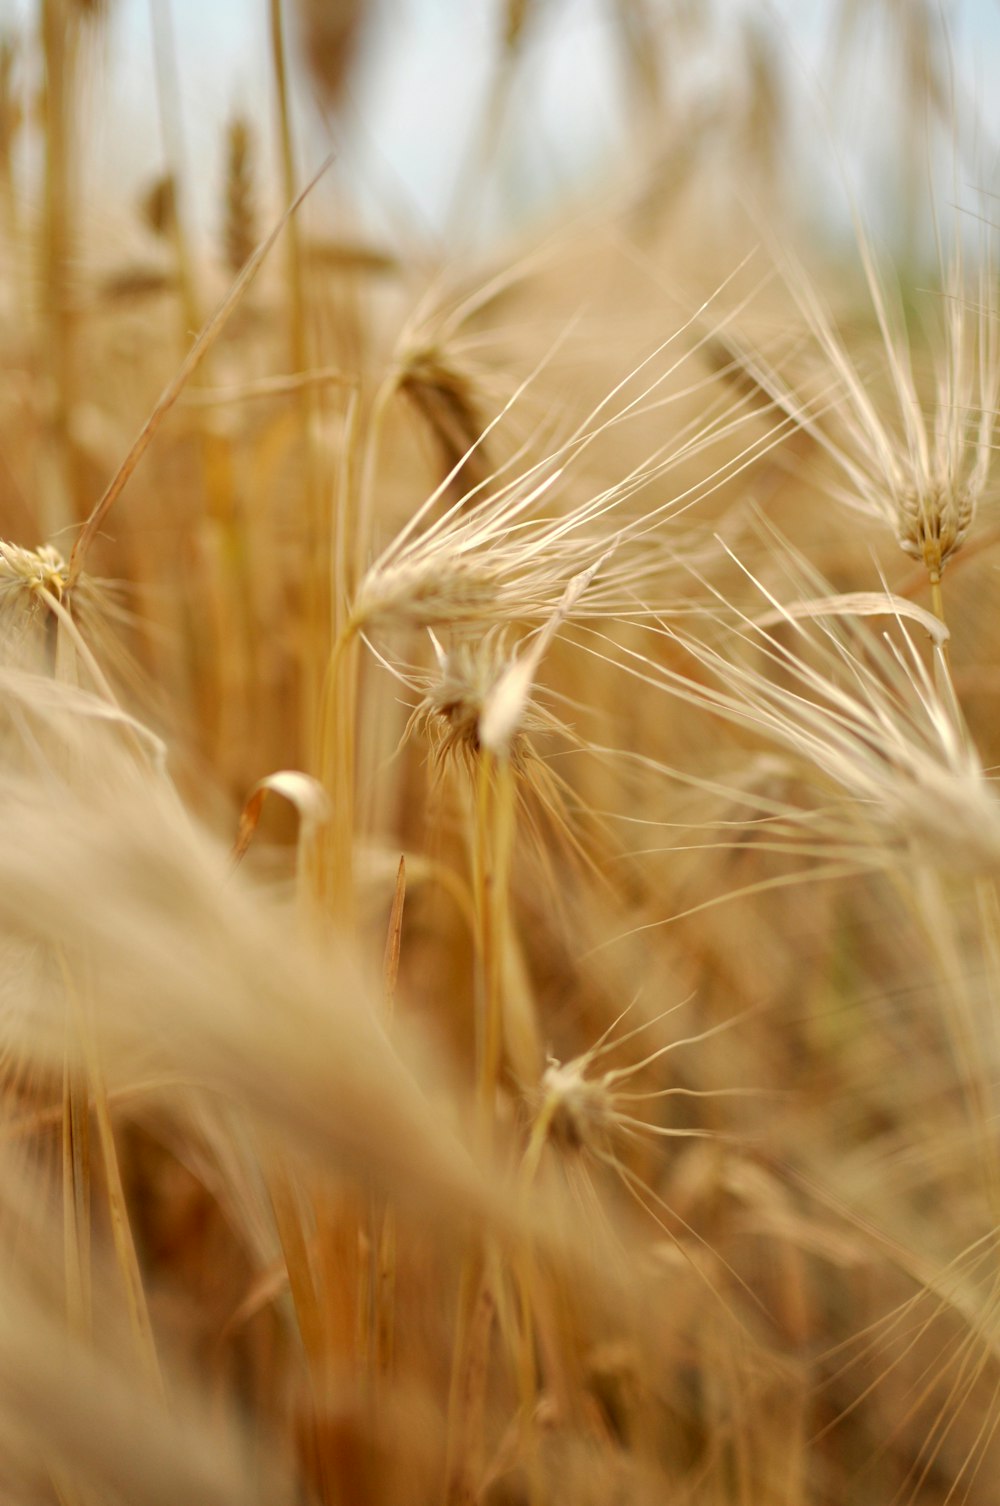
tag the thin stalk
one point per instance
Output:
(298, 342)
(383, 1217)
(309, 1314)
(299, 357)
(353, 549)
(988, 906)
(216, 449)
(937, 599)
(490, 841)
(78, 646)
(937, 607)
(76, 1199)
(526, 1276)
(59, 31)
(171, 134)
(294, 1248)
(385, 1296)
(469, 1376)
(121, 1230)
(493, 829)
(337, 719)
(338, 710)
(335, 730)
(491, 836)
(961, 1021)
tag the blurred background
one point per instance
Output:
(401, 88)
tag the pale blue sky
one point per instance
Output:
(415, 99)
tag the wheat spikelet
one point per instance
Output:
(923, 469)
(891, 738)
(239, 231)
(446, 400)
(331, 31)
(158, 205)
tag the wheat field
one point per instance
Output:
(498, 843)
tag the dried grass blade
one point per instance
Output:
(859, 604)
(301, 790)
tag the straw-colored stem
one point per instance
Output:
(492, 825)
(937, 607)
(354, 734)
(76, 1197)
(294, 1248)
(59, 46)
(491, 838)
(355, 549)
(526, 1275)
(216, 455)
(338, 704)
(937, 598)
(385, 1296)
(492, 833)
(297, 319)
(960, 1018)
(988, 907)
(299, 354)
(216, 458)
(335, 729)
(469, 1376)
(168, 104)
(531, 1160)
(121, 1230)
(383, 1218)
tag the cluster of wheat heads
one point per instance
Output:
(499, 946)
